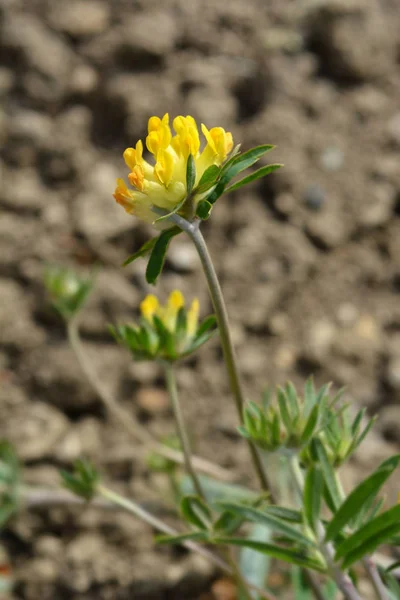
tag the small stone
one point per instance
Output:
(152, 400)
(320, 338)
(81, 18)
(393, 372)
(393, 128)
(285, 357)
(314, 197)
(224, 589)
(332, 158)
(153, 32)
(84, 80)
(347, 314)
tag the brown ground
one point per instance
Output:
(309, 259)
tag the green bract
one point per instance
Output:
(165, 332)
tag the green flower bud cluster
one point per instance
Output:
(165, 332)
(68, 290)
(289, 422)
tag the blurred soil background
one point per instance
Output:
(309, 258)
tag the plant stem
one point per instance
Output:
(193, 231)
(159, 525)
(375, 579)
(126, 420)
(180, 424)
(341, 578)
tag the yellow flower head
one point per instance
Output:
(163, 184)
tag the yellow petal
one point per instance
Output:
(193, 318)
(149, 306)
(164, 168)
(123, 196)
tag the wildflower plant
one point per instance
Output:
(322, 533)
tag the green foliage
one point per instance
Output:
(83, 480)
(158, 253)
(68, 290)
(9, 482)
(255, 565)
(152, 340)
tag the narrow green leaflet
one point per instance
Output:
(196, 512)
(313, 492)
(208, 323)
(217, 490)
(274, 523)
(360, 495)
(145, 249)
(261, 172)
(370, 545)
(157, 256)
(295, 557)
(173, 212)
(204, 209)
(374, 528)
(242, 161)
(190, 174)
(208, 179)
(255, 565)
(302, 591)
(310, 425)
(194, 536)
(328, 472)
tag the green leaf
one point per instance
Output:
(263, 518)
(208, 323)
(7, 509)
(218, 490)
(157, 256)
(190, 174)
(196, 512)
(195, 536)
(208, 179)
(287, 514)
(310, 425)
(375, 529)
(227, 523)
(166, 337)
(309, 396)
(370, 545)
(288, 555)
(166, 216)
(313, 492)
(253, 565)
(242, 161)
(360, 495)
(328, 472)
(302, 591)
(284, 408)
(261, 172)
(143, 250)
(204, 209)
(393, 586)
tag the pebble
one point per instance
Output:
(393, 372)
(332, 159)
(314, 197)
(81, 18)
(154, 401)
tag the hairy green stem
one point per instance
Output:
(341, 578)
(139, 512)
(126, 420)
(193, 231)
(181, 428)
(375, 579)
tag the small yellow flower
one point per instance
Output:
(163, 184)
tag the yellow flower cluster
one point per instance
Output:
(168, 314)
(164, 184)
